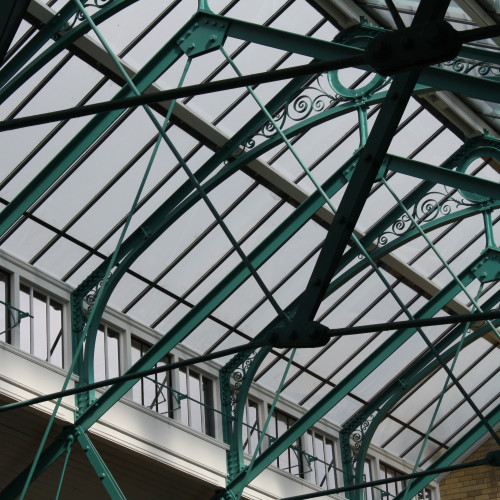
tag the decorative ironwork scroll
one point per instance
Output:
(326, 90)
(89, 4)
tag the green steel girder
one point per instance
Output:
(343, 388)
(450, 178)
(11, 15)
(218, 294)
(156, 224)
(401, 240)
(57, 448)
(453, 453)
(232, 426)
(16, 72)
(473, 148)
(432, 77)
(384, 401)
(165, 57)
(213, 299)
(232, 419)
(301, 215)
(357, 190)
(100, 467)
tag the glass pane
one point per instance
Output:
(195, 407)
(112, 352)
(99, 356)
(56, 333)
(40, 325)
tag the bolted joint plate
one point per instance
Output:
(310, 334)
(488, 267)
(203, 36)
(413, 48)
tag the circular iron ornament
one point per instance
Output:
(372, 86)
(464, 163)
(357, 36)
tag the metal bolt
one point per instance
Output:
(195, 25)
(102, 475)
(181, 40)
(213, 38)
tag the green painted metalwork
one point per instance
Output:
(11, 15)
(152, 228)
(347, 384)
(71, 440)
(492, 458)
(164, 58)
(102, 471)
(187, 324)
(483, 190)
(19, 69)
(232, 428)
(130, 252)
(360, 428)
(204, 37)
(454, 452)
(427, 208)
(488, 263)
(241, 369)
(15, 314)
(357, 190)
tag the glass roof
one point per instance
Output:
(76, 223)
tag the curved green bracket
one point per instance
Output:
(364, 423)
(158, 222)
(233, 429)
(342, 389)
(203, 6)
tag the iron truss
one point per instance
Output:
(424, 61)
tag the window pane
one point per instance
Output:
(4, 297)
(40, 325)
(56, 333)
(24, 303)
(195, 408)
(112, 352)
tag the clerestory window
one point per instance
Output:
(42, 333)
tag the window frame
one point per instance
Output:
(31, 290)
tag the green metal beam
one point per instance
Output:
(355, 195)
(345, 386)
(454, 453)
(385, 400)
(11, 15)
(100, 467)
(21, 68)
(152, 70)
(445, 176)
